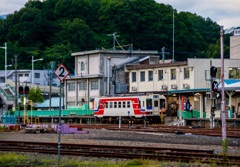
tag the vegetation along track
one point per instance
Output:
(127, 152)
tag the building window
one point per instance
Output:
(150, 75)
(142, 76)
(82, 66)
(94, 85)
(173, 74)
(160, 75)
(234, 73)
(186, 73)
(71, 87)
(218, 74)
(82, 86)
(134, 77)
(36, 75)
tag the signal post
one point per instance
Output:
(213, 89)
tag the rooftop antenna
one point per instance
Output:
(114, 39)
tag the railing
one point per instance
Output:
(193, 114)
(6, 96)
(51, 113)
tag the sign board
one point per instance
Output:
(61, 72)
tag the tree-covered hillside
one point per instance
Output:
(53, 29)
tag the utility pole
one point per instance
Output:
(114, 39)
(163, 54)
(173, 37)
(223, 105)
(16, 89)
(52, 63)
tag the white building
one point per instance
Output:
(189, 79)
(100, 72)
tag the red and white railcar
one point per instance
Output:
(133, 106)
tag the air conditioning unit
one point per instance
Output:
(134, 88)
(164, 87)
(173, 86)
(186, 86)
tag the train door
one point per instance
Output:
(156, 104)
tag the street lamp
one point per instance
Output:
(33, 66)
(10, 65)
(5, 47)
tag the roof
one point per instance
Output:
(147, 66)
(54, 103)
(230, 84)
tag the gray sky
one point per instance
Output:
(225, 13)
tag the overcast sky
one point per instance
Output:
(225, 13)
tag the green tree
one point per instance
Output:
(53, 29)
(35, 94)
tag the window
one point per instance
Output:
(128, 104)
(20, 75)
(149, 103)
(82, 86)
(186, 73)
(119, 105)
(218, 75)
(134, 77)
(160, 75)
(142, 76)
(106, 104)
(71, 86)
(36, 75)
(94, 85)
(26, 75)
(82, 66)
(115, 104)
(234, 73)
(173, 74)
(150, 75)
(124, 104)
(111, 105)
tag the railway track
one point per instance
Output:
(231, 132)
(126, 152)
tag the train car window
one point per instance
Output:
(124, 104)
(149, 103)
(103, 106)
(119, 104)
(106, 104)
(111, 105)
(115, 104)
(155, 103)
(128, 104)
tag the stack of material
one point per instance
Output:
(71, 129)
